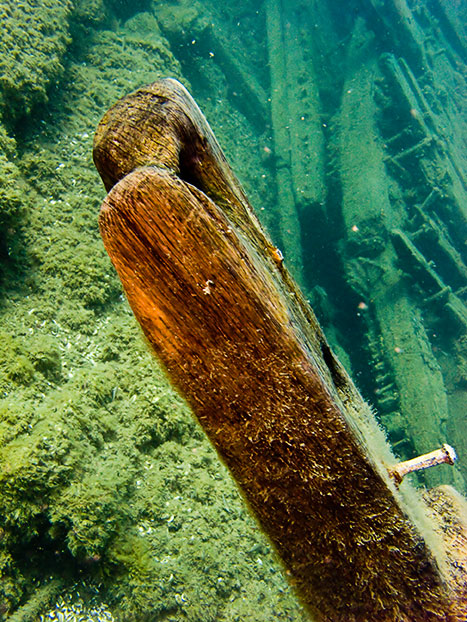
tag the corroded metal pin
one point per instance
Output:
(445, 455)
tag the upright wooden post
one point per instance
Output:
(235, 336)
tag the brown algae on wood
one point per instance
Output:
(241, 345)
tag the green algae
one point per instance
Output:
(104, 476)
(34, 41)
(11, 200)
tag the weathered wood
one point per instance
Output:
(403, 28)
(372, 261)
(287, 213)
(190, 28)
(432, 239)
(430, 282)
(407, 92)
(236, 338)
(298, 133)
(452, 18)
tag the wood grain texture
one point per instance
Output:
(240, 344)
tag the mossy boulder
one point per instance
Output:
(11, 192)
(24, 359)
(90, 13)
(34, 40)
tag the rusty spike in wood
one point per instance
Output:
(238, 341)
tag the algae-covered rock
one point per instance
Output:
(10, 192)
(34, 39)
(24, 358)
(124, 9)
(91, 13)
(11, 189)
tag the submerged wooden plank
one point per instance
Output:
(236, 338)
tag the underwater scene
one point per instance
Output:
(212, 450)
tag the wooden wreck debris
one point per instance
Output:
(297, 131)
(400, 335)
(452, 24)
(425, 129)
(398, 22)
(187, 26)
(235, 336)
(289, 224)
(430, 281)
(431, 236)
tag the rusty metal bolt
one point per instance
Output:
(445, 455)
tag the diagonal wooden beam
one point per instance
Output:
(236, 338)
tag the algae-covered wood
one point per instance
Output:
(220, 311)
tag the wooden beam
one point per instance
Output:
(235, 336)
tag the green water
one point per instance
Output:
(347, 130)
